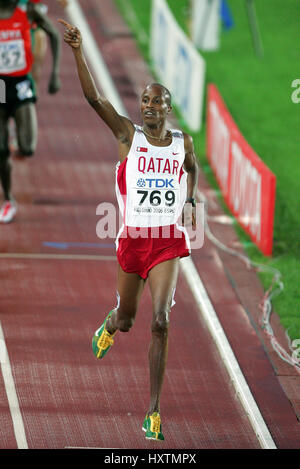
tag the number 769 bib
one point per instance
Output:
(154, 199)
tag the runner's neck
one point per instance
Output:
(167, 135)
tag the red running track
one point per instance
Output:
(53, 300)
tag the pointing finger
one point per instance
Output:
(64, 23)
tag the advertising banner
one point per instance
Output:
(205, 24)
(247, 184)
(178, 64)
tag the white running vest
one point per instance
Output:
(151, 184)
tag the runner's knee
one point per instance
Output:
(26, 129)
(160, 322)
(124, 324)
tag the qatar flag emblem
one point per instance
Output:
(142, 149)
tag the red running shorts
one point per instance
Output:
(140, 249)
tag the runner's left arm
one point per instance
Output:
(46, 24)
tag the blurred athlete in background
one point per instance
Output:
(39, 38)
(151, 157)
(16, 60)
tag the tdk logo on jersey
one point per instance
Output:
(141, 182)
(158, 183)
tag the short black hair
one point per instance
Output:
(165, 90)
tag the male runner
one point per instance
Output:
(156, 175)
(39, 38)
(16, 60)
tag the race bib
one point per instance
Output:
(154, 199)
(12, 56)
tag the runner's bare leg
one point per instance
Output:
(5, 163)
(162, 282)
(27, 129)
(130, 287)
(40, 51)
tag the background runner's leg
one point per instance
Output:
(26, 123)
(40, 50)
(162, 282)
(130, 287)
(5, 163)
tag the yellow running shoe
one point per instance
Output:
(102, 340)
(152, 427)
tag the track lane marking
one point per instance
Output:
(205, 308)
(11, 393)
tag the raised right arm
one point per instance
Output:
(121, 126)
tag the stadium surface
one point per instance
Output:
(58, 282)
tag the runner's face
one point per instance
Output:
(154, 107)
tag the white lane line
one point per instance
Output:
(191, 274)
(12, 394)
(208, 313)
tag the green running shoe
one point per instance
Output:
(102, 340)
(152, 427)
(144, 427)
